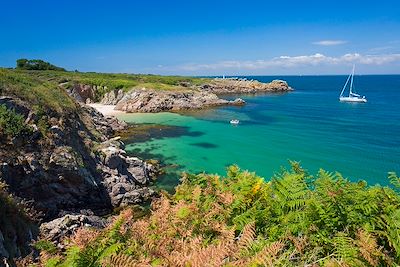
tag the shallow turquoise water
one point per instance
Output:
(310, 125)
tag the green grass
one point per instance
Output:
(33, 89)
(118, 81)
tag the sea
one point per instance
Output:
(309, 125)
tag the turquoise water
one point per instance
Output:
(310, 125)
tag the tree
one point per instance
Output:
(36, 64)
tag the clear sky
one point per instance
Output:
(204, 37)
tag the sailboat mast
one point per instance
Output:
(344, 87)
(352, 78)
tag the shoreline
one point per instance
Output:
(106, 110)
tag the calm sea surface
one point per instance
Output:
(310, 125)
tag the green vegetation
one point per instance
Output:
(12, 124)
(36, 64)
(118, 81)
(46, 87)
(241, 220)
(34, 90)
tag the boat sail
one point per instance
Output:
(353, 97)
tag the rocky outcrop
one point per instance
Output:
(124, 177)
(146, 100)
(112, 97)
(85, 93)
(244, 86)
(66, 225)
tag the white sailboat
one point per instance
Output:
(353, 97)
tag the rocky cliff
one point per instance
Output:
(74, 165)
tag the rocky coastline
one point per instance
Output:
(191, 97)
(243, 86)
(70, 169)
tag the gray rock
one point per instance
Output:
(112, 97)
(125, 174)
(65, 226)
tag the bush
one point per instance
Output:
(11, 123)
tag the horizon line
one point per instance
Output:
(228, 76)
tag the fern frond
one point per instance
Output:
(120, 260)
(394, 180)
(268, 255)
(245, 239)
(344, 247)
(368, 247)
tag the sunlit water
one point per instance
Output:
(310, 125)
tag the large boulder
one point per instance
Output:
(66, 225)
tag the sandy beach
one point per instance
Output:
(106, 110)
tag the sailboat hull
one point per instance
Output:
(352, 99)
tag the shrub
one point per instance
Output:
(11, 123)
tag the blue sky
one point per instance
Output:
(205, 37)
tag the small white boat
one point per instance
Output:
(352, 97)
(236, 122)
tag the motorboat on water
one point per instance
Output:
(235, 122)
(352, 97)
